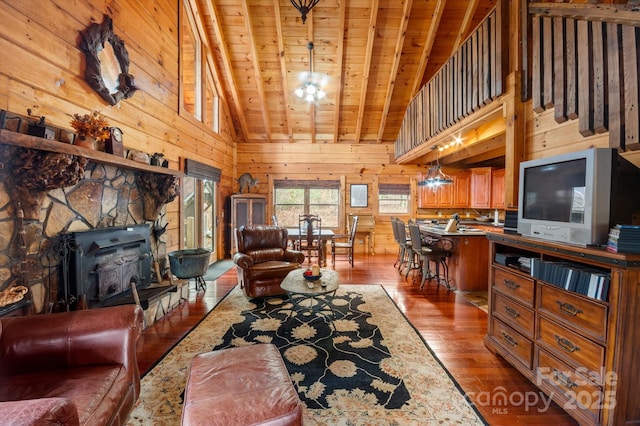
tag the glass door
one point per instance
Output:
(200, 222)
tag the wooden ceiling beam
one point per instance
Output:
(472, 5)
(394, 67)
(256, 69)
(228, 69)
(338, 78)
(428, 45)
(283, 68)
(366, 67)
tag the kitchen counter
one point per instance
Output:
(469, 260)
(462, 230)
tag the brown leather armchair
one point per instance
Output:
(71, 368)
(263, 259)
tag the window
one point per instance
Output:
(191, 65)
(198, 205)
(198, 93)
(393, 198)
(293, 198)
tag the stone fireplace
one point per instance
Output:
(104, 191)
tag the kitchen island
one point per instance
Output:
(469, 260)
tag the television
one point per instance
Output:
(577, 197)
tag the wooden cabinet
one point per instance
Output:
(461, 189)
(246, 209)
(497, 189)
(581, 351)
(487, 188)
(446, 196)
(481, 188)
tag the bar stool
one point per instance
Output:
(441, 249)
(405, 244)
(431, 250)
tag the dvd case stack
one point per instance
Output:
(624, 239)
(574, 277)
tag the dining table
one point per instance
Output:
(325, 236)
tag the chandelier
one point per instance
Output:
(304, 7)
(310, 90)
(435, 176)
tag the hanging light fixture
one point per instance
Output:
(435, 176)
(304, 7)
(310, 90)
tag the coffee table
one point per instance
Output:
(312, 298)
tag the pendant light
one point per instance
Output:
(310, 90)
(435, 176)
(304, 7)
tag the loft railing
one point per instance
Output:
(585, 67)
(471, 78)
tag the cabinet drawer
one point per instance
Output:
(576, 350)
(575, 390)
(512, 313)
(588, 316)
(512, 341)
(516, 286)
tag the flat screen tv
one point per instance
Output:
(576, 197)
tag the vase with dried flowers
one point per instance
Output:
(92, 129)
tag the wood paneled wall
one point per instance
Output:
(350, 163)
(42, 68)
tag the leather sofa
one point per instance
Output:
(71, 368)
(263, 259)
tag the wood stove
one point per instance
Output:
(99, 265)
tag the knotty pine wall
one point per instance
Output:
(369, 164)
(42, 68)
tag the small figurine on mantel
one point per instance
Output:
(246, 182)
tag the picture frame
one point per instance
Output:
(359, 195)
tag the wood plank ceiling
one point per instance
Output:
(371, 57)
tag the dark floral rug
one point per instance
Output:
(326, 364)
(363, 363)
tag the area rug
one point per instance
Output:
(218, 268)
(363, 363)
(476, 298)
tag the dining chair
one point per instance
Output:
(309, 236)
(346, 246)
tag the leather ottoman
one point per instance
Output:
(248, 385)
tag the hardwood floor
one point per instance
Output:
(452, 327)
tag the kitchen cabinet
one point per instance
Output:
(497, 189)
(445, 196)
(461, 189)
(481, 188)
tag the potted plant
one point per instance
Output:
(92, 129)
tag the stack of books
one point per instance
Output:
(624, 239)
(574, 277)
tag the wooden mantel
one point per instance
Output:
(33, 142)
(64, 166)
